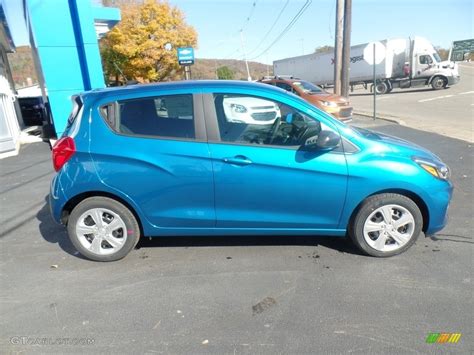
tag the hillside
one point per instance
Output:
(22, 67)
(206, 68)
(21, 64)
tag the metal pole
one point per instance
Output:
(346, 49)
(187, 72)
(338, 47)
(375, 87)
(242, 43)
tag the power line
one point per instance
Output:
(252, 10)
(271, 28)
(244, 24)
(287, 28)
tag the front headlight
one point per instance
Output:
(329, 103)
(238, 108)
(438, 170)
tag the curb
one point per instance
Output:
(381, 117)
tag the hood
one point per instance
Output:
(326, 96)
(397, 145)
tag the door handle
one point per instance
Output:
(238, 160)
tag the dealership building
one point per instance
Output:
(63, 35)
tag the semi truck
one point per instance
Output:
(399, 63)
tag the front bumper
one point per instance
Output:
(342, 113)
(452, 80)
(438, 208)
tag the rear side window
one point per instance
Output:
(169, 116)
(76, 107)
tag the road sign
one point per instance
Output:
(186, 56)
(461, 48)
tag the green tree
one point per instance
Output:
(135, 48)
(225, 73)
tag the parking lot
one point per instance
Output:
(447, 112)
(234, 294)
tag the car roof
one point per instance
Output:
(283, 80)
(179, 85)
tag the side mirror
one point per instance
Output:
(325, 140)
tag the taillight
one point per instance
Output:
(63, 150)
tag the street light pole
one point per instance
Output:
(338, 47)
(242, 42)
(346, 49)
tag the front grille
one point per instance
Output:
(263, 107)
(264, 116)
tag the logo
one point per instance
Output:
(442, 338)
(354, 59)
(186, 56)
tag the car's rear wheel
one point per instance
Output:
(103, 229)
(386, 225)
(381, 87)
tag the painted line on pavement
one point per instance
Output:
(445, 96)
(435, 98)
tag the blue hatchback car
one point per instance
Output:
(223, 158)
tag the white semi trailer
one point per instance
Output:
(401, 63)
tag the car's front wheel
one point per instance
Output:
(103, 229)
(386, 225)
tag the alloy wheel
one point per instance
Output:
(389, 228)
(101, 231)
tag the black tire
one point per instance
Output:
(381, 88)
(356, 226)
(131, 224)
(439, 83)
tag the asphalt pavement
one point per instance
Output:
(448, 112)
(231, 295)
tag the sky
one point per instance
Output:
(218, 24)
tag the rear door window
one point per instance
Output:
(170, 116)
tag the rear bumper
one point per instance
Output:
(56, 199)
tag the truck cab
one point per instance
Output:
(429, 69)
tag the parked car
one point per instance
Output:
(33, 110)
(333, 104)
(250, 110)
(125, 171)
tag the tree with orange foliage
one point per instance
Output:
(135, 48)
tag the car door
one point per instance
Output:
(424, 66)
(265, 180)
(154, 150)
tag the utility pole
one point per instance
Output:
(242, 43)
(346, 49)
(338, 47)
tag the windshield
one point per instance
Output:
(437, 57)
(307, 87)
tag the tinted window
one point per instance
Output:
(307, 87)
(76, 107)
(254, 120)
(284, 86)
(163, 116)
